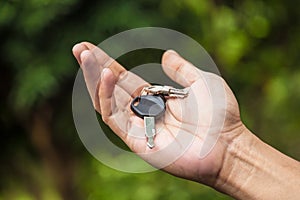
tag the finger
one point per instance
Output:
(104, 60)
(93, 62)
(179, 70)
(79, 48)
(92, 73)
(127, 80)
(122, 98)
(108, 81)
(92, 65)
(115, 114)
(131, 83)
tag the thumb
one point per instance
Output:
(179, 70)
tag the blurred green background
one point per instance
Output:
(254, 43)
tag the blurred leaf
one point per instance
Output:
(32, 83)
(7, 12)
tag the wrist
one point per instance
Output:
(238, 164)
(253, 170)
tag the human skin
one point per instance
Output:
(238, 163)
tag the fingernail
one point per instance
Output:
(173, 52)
(84, 55)
(104, 71)
(74, 47)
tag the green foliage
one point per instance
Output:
(255, 44)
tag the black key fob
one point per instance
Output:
(148, 106)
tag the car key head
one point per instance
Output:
(148, 106)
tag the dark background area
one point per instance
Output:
(254, 43)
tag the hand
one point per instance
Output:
(234, 160)
(112, 89)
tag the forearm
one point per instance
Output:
(254, 170)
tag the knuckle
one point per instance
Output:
(105, 119)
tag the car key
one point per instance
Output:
(149, 108)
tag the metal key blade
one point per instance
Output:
(167, 91)
(181, 93)
(150, 130)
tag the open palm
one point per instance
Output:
(192, 135)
